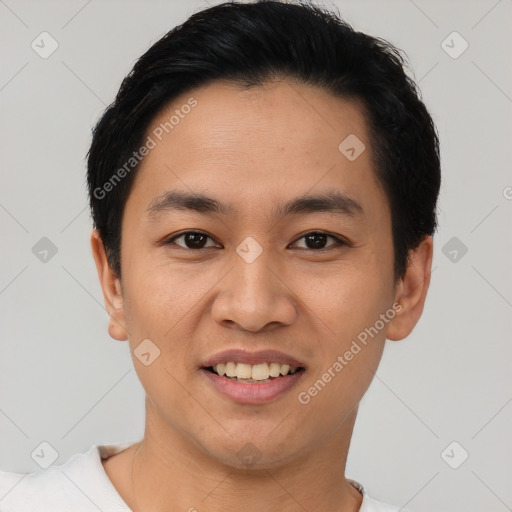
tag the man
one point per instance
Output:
(263, 191)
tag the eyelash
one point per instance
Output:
(339, 241)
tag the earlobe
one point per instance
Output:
(111, 287)
(411, 292)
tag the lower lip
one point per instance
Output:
(252, 393)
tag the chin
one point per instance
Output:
(252, 452)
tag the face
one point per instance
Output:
(250, 272)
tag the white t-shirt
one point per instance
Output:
(81, 485)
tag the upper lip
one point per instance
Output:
(248, 357)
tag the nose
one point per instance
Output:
(254, 296)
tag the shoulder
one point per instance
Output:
(81, 482)
(45, 489)
(370, 504)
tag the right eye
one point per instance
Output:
(193, 240)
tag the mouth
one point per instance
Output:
(253, 373)
(256, 383)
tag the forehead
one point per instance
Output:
(250, 146)
(280, 116)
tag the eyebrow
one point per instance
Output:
(331, 201)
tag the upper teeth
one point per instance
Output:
(260, 371)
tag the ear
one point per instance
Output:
(412, 290)
(111, 286)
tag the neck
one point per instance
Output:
(171, 472)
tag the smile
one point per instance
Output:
(252, 384)
(243, 372)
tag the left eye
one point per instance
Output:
(315, 240)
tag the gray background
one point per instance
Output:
(64, 381)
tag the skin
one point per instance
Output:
(251, 149)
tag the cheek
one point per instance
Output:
(155, 293)
(155, 310)
(163, 304)
(349, 298)
(350, 348)
(359, 313)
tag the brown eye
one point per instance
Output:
(190, 240)
(317, 240)
(195, 240)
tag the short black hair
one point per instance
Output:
(250, 44)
